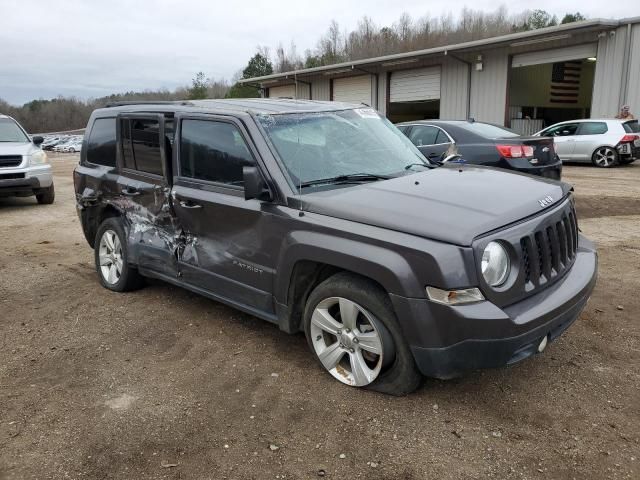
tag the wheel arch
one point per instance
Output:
(312, 258)
(93, 218)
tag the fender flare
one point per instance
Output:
(388, 268)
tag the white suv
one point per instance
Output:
(24, 168)
(604, 142)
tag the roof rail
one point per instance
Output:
(148, 102)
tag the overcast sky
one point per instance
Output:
(91, 48)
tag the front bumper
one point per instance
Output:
(449, 340)
(25, 180)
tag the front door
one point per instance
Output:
(144, 193)
(564, 138)
(223, 236)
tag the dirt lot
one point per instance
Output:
(162, 383)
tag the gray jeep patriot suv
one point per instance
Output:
(322, 217)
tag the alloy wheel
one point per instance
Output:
(346, 340)
(604, 157)
(110, 257)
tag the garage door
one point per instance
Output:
(284, 91)
(352, 89)
(415, 85)
(556, 55)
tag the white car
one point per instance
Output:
(24, 167)
(604, 142)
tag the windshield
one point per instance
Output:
(11, 132)
(489, 131)
(325, 145)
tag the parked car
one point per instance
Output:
(73, 147)
(63, 145)
(51, 142)
(604, 142)
(322, 217)
(485, 144)
(24, 168)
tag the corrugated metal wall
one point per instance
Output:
(489, 88)
(454, 90)
(382, 93)
(320, 87)
(608, 77)
(633, 88)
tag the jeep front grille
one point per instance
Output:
(10, 160)
(550, 251)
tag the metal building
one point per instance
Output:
(524, 80)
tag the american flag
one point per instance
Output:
(565, 82)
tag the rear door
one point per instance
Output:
(590, 135)
(144, 192)
(224, 237)
(564, 137)
(432, 141)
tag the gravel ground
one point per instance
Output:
(161, 383)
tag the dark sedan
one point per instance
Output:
(484, 144)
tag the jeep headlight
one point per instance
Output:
(38, 158)
(495, 264)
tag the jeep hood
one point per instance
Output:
(453, 204)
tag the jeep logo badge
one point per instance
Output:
(546, 201)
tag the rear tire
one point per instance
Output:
(374, 327)
(605, 157)
(112, 258)
(46, 196)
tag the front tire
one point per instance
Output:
(605, 157)
(352, 330)
(111, 258)
(46, 196)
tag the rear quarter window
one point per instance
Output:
(592, 128)
(101, 145)
(631, 127)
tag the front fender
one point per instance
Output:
(383, 265)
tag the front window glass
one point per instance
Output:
(564, 130)
(325, 145)
(11, 132)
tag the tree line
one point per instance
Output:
(335, 46)
(407, 33)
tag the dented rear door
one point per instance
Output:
(144, 192)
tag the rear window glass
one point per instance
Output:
(489, 131)
(141, 145)
(101, 145)
(631, 127)
(593, 128)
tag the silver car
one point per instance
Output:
(24, 168)
(604, 142)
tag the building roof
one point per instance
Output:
(511, 39)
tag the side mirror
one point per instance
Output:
(254, 185)
(37, 140)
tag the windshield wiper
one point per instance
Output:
(426, 165)
(352, 177)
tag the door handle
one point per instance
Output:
(189, 204)
(130, 191)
